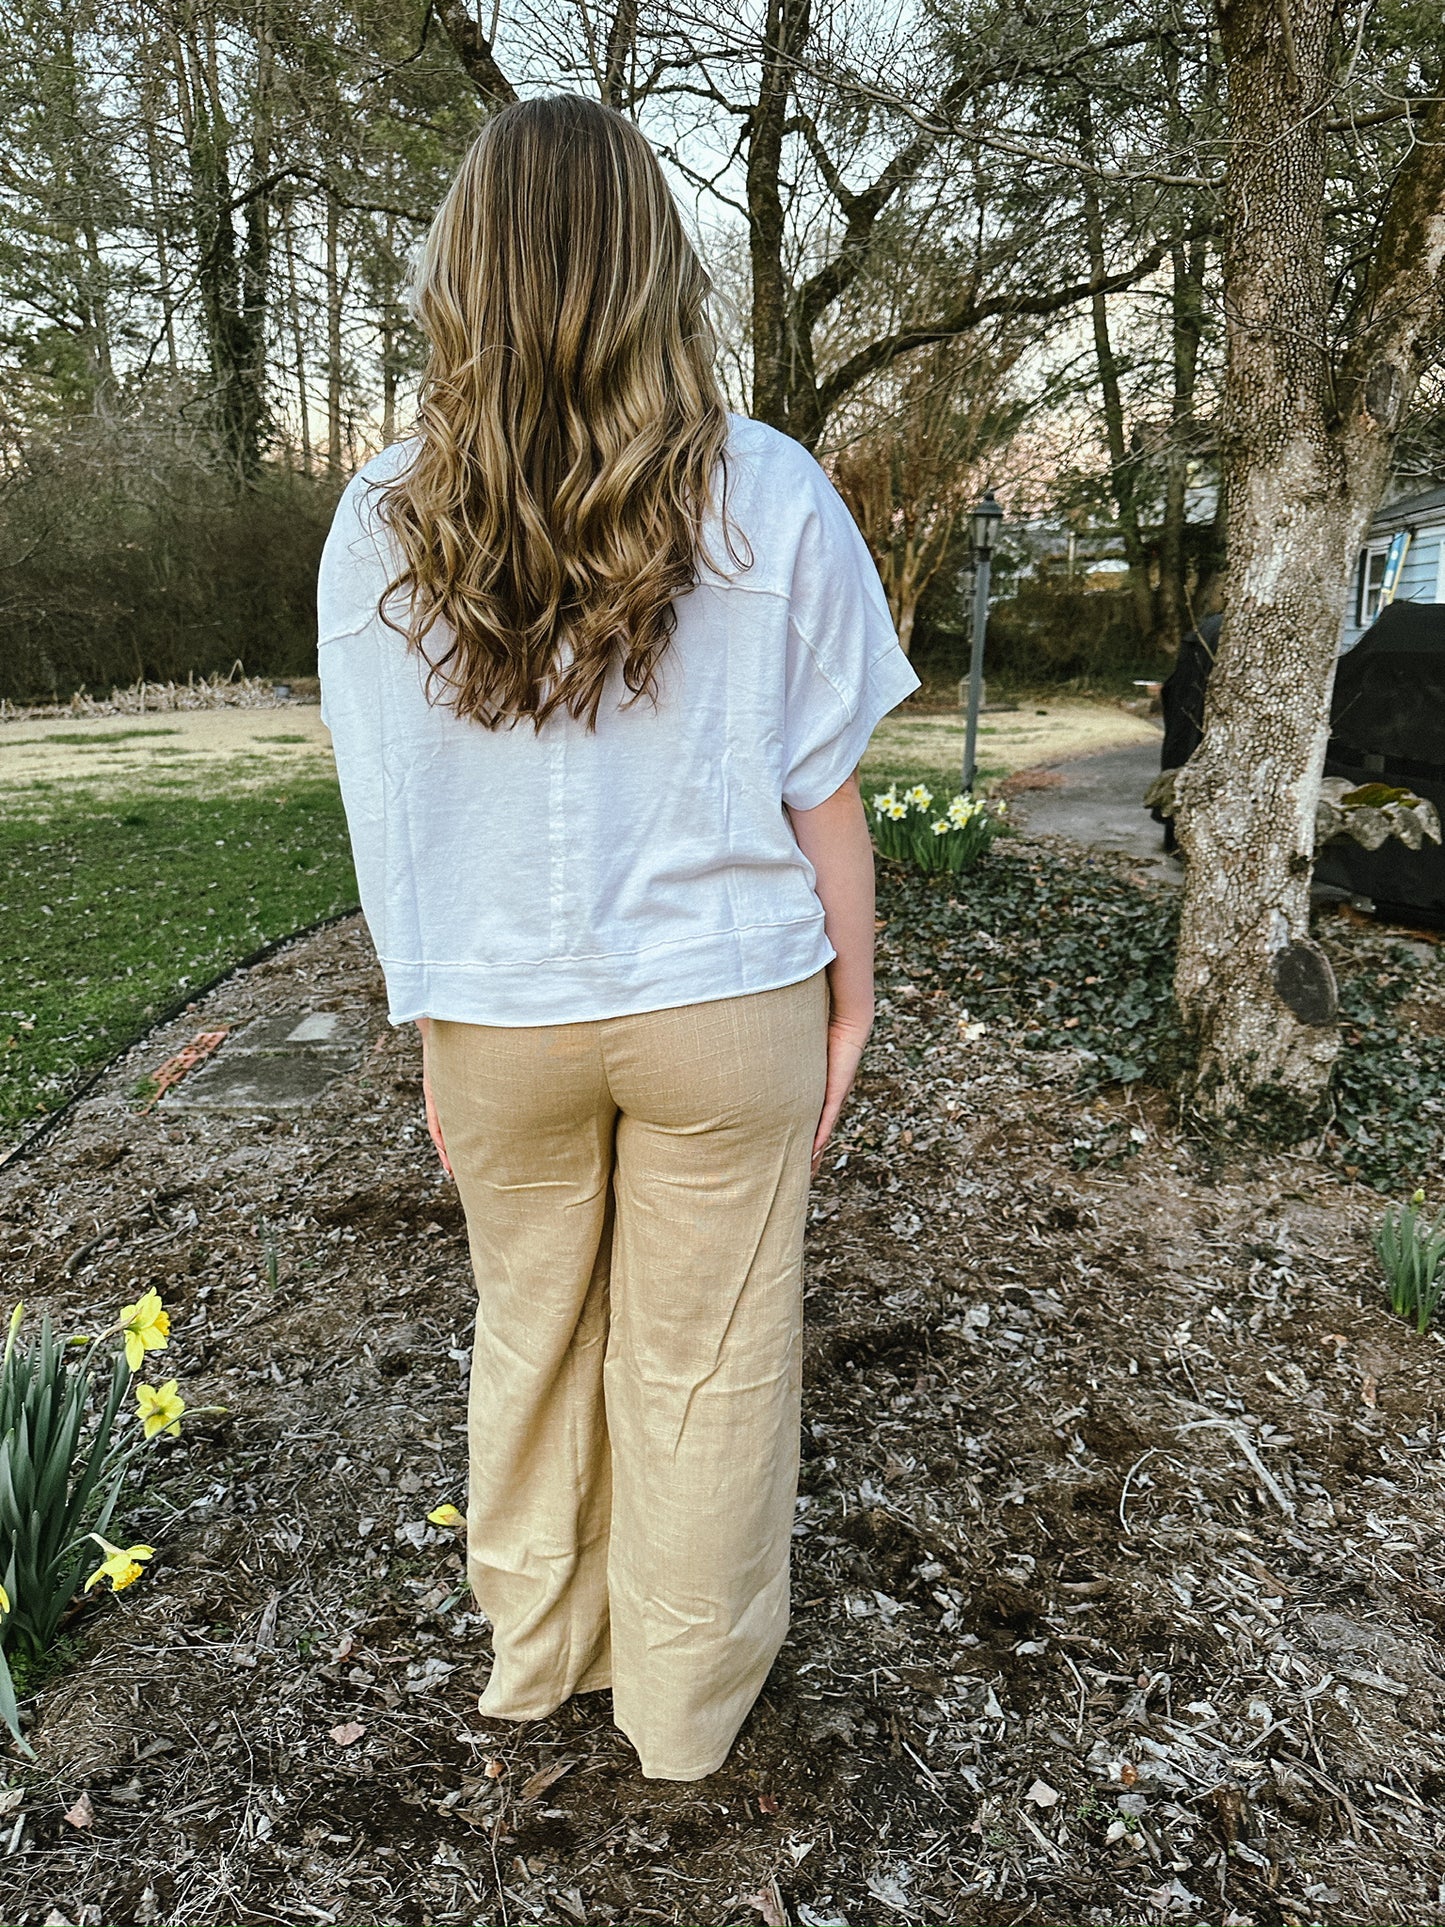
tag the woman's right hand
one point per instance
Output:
(846, 1042)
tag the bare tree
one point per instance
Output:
(917, 460)
(1313, 403)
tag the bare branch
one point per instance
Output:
(973, 314)
(820, 290)
(474, 50)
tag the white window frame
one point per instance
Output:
(1368, 591)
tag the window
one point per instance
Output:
(1370, 583)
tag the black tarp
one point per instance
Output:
(1182, 701)
(1387, 725)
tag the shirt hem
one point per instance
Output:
(518, 996)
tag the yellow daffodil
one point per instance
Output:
(881, 801)
(918, 796)
(446, 1515)
(121, 1564)
(146, 1326)
(4, 1602)
(960, 810)
(897, 811)
(15, 1317)
(159, 1408)
(940, 827)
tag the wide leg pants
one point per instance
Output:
(635, 1192)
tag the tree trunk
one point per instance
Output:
(333, 339)
(298, 341)
(621, 42)
(1186, 317)
(774, 379)
(1122, 471)
(1247, 797)
(1304, 458)
(232, 285)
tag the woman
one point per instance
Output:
(599, 662)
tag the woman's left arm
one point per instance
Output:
(834, 838)
(433, 1122)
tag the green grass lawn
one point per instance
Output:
(113, 904)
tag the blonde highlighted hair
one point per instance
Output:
(570, 425)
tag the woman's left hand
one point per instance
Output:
(433, 1122)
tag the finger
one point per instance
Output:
(825, 1128)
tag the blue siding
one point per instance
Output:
(1421, 572)
(1419, 579)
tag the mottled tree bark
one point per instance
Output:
(1305, 450)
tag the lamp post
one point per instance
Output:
(983, 527)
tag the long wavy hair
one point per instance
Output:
(570, 428)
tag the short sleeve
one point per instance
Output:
(846, 668)
(353, 576)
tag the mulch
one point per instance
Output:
(1118, 1588)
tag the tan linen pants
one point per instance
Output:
(635, 1191)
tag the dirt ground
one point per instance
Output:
(1118, 1589)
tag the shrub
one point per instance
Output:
(907, 827)
(132, 554)
(65, 1450)
(1412, 1251)
(1052, 631)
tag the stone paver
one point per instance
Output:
(279, 1063)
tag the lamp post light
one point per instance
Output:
(983, 527)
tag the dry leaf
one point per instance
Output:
(543, 1778)
(82, 1814)
(348, 1734)
(494, 1769)
(769, 1902)
(343, 1649)
(201, 1046)
(1368, 1390)
(1042, 1794)
(768, 1803)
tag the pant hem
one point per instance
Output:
(692, 1773)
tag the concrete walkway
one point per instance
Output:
(1098, 803)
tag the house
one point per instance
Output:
(1403, 560)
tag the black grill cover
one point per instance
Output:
(1387, 725)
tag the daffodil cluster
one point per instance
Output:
(66, 1450)
(906, 826)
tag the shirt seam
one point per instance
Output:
(601, 956)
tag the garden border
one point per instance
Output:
(35, 1138)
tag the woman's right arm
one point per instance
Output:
(834, 837)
